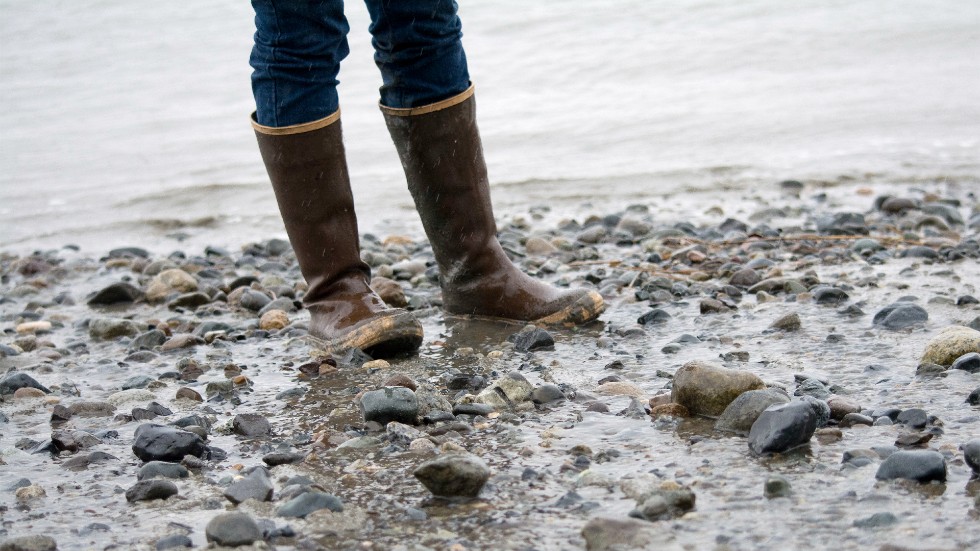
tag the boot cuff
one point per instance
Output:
(431, 108)
(295, 128)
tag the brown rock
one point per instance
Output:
(669, 410)
(390, 291)
(707, 389)
(273, 320)
(840, 406)
(400, 379)
(189, 394)
(185, 340)
(951, 343)
(28, 392)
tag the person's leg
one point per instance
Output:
(298, 48)
(430, 110)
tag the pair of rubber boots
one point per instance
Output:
(440, 150)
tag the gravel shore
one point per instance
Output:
(796, 366)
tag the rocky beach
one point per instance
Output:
(792, 366)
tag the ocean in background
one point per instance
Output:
(127, 123)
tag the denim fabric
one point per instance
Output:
(299, 46)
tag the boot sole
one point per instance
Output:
(379, 337)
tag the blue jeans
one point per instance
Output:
(299, 46)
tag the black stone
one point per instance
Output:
(830, 296)
(900, 315)
(472, 409)
(536, 339)
(147, 490)
(160, 443)
(251, 425)
(920, 465)
(256, 485)
(280, 458)
(173, 542)
(783, 427)
(919, 251)
(390, 404)
(913, 417)
(974, 398)
(967, 362)
(16, 380)
(162, 469)
(876, 520)
(654, 317)
(232, 530)
(117, 293)
(129, 252)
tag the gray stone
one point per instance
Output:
(111, 328)
(255, 485)
(814, 388)
(547, 393)
(116, 293)
(968, 362)
(707, 389)
(282, 458)
(614, 534)
(16, 380)
(920, 465)
(251, 425)
(783, 427)
(253, 300)
(535, 339)
(454, 474)
(147, 490)
(830, 296)
(739, 416)
(788, 323)
(971, 454)
(161, 469)
(232, 530)
(913, 417)
(877, 520)
(395, 403)
(161, 443)
(507, 392)
(777, 486)
(29, 543)
(900, 315)
(307, 502)
(173, 542)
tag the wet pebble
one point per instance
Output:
(253, 300)
(852, 419)
(777, 486)
(974, 398)
(161, 469)
(535, 339)
(788, 323)
(900, 315)
(971, 454)
(29, 543)
(616, 534)
(148, 490)
(877, 520)
(507, 392)
(707, 389)
(919, 465)
(232, 530)
(174, 541)
(782, 427)
(116, 293)
(830, 296)
(968, 362)
(913, 417)
(739, 416)
(453, 474)
(255, 485)
(390, 404)
(308, 502)
(282, 458)
(951, 343)
(15, 380)
(161, 443)
(251, 425)
(547, 393)
(112, 328)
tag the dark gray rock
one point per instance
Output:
(454, 474)
(282, 303)
(147, 490)
(788, 323)
(920, 465)
(148, 340)
(162, 469)
(745, 278)
(814, 388)
(900, 315)
(307, 502)
(251, 425)
(830, 296)
(877, 520)
(232, 530)
(174, 542)
(535, 339)
(971, 454)
(137, 381)
(919, 251)
(117, 293)
(783, 427)
(473, 408)
(394, 403)
(968, 362)
(820, 408)
(254, 300)
(777, 486)
(656, 316)
(110, 328)
(547, 393)
(739, 416)
(974, 398)
(255, 485)
(282, 458)
(15, 380)
(161, 443)
(663, 503)
(913, 417)
(851, 419)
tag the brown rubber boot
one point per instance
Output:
(308, 170)
(442, 155)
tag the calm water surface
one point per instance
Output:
(126, 123)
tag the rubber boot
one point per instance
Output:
(308, 170)
(440, 150)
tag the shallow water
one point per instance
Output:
(125, 124)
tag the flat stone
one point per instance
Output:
(707, 389)
(783, 427)
(919, 465)
(161, 443)
(16, 380)
(232, 530)
(162, 469)
(148, 490)
(308, 502)
(255, 485)
(900, 315)
(454, 474)
(117, 293)
(395, 403)
(617, 534)
(251, 425)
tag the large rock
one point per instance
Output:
(739, 416)
(454, 474)
(16, 380)
(707, 389)
(255, 485)
(614, 534)
(393, 403)
(950, 344)
(232, 530)
(783, 427)
(161, 443)
(507, 392)
(920, 465)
